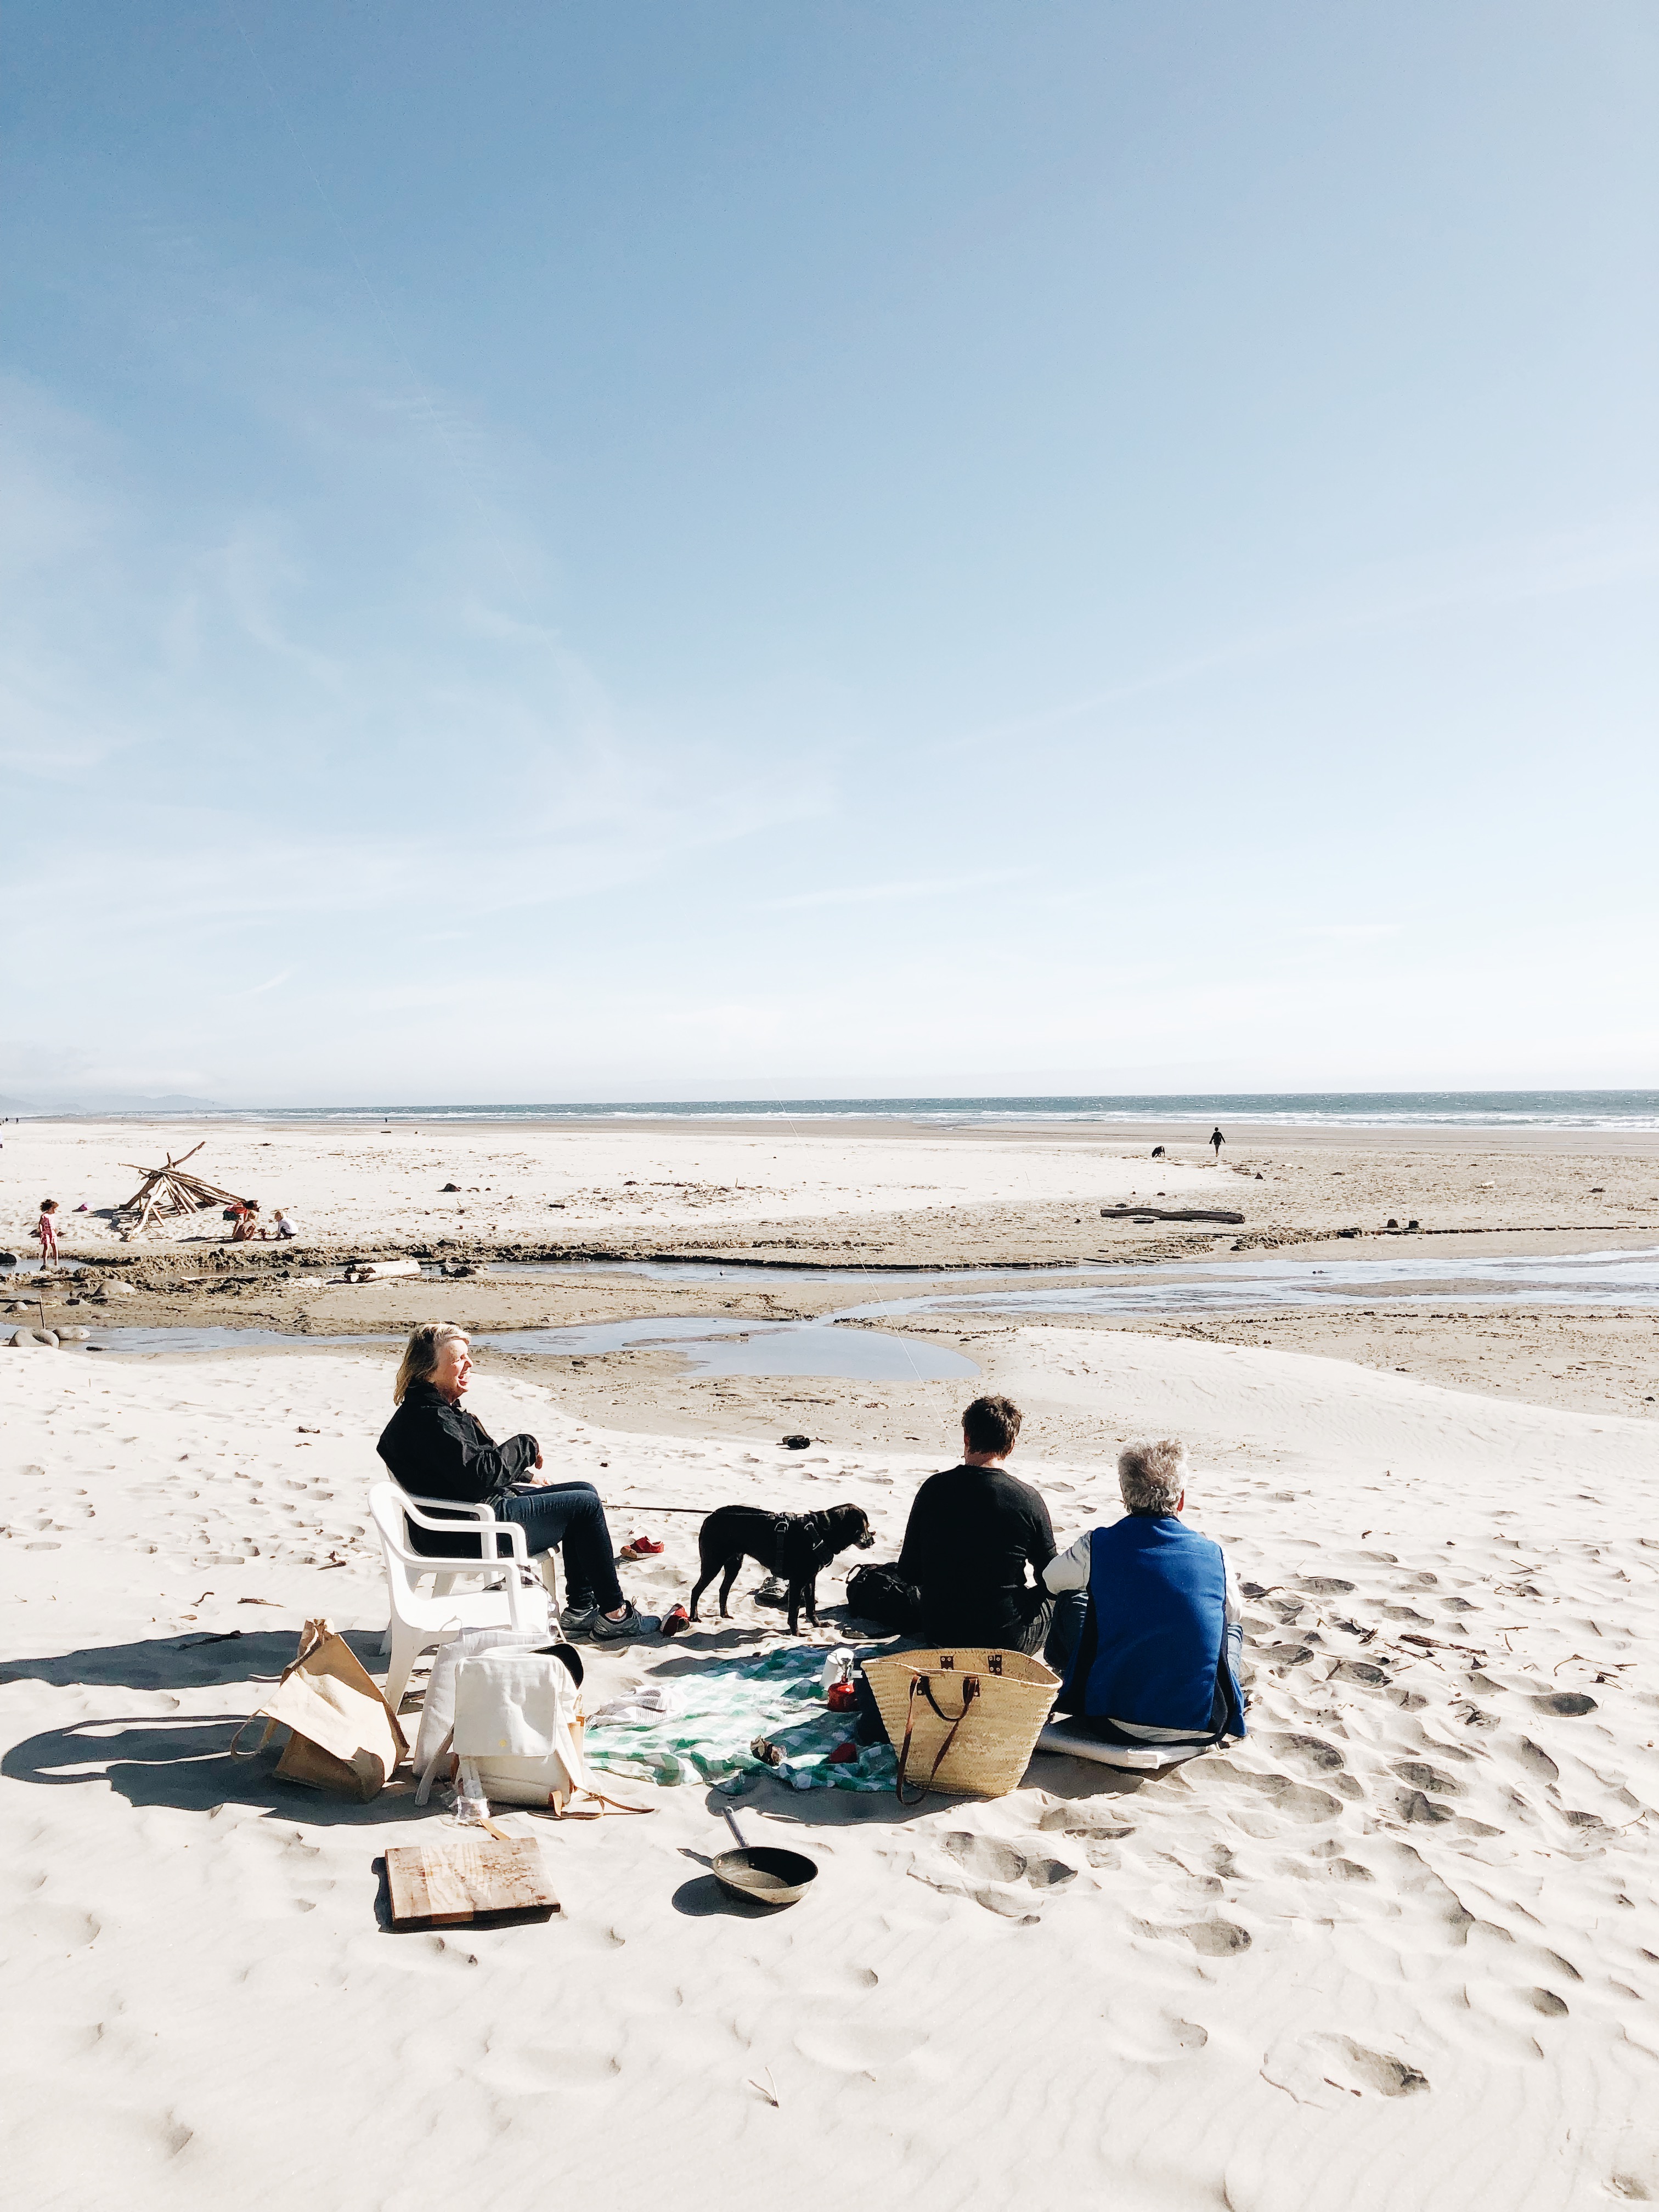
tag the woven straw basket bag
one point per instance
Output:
(965, 1721)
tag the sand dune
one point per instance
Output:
(1397, 1951)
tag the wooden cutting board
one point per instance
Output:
(451, 1879)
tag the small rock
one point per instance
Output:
(450, 1185)
(796, 1444)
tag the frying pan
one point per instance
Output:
(763, 1875)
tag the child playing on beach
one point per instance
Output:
(45, 1234)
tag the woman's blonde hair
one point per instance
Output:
(421, 1354)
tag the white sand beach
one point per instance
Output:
(1396, 1951)
(1005, 653)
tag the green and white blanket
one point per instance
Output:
(720, 1708)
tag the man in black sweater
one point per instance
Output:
(974, 1532)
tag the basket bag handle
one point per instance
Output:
(923, 1683)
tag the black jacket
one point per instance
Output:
(972, 1533)
(436, 1449)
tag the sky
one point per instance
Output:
(693, 550)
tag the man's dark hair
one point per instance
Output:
(991, 1425)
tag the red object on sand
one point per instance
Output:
(676, 1621)
(645, 1546)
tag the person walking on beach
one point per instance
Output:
(1217, 1141)
(46, 1234)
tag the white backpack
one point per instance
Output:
(437, 1728)
(509, 1707)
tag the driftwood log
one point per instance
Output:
(1170, 1213)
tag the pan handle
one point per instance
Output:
(731, 1823)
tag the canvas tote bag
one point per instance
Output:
(345, 1737)
(964, 1722)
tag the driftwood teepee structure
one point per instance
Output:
(167, 1191)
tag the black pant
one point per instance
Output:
(569, 1515)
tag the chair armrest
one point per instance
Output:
(449, 1505)
(485, 1526)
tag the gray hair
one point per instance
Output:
(421, 1354)
(1151, 1477)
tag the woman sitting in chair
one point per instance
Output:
(436, 1449)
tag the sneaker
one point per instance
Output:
(633, 1623)
(773, 1592)
(576, 1618)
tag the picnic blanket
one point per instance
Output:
(716, 1712)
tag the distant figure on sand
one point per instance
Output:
(1217, 1141)
(46, 1234)
(1155, 1657)
(436, 1449)
(286, 1225)
(243, 1225)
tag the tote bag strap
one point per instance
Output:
(921, 1682)
(430, 1771)
(271, 1728)
(314, 1635)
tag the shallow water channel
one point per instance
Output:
(854, 1344)
(709, 1346)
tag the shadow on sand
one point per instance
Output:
(197, 1660)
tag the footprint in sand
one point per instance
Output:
(1310, 1753)
(1349, 1870)
(998, 1861)
(1295, 1801)
(1330, 2071)
(1424, 1777)
(1079, 1820)
(984, 1855)
(1537, 1763)
(987, 1870)
(1211, 1937)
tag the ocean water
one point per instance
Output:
(1368, 1109)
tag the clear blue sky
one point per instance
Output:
(678, 549)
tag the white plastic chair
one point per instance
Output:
(447, 1509)
(522, 1598)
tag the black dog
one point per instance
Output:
(795, 1546)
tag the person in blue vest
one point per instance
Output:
(1156, 1660)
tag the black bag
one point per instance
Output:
(882, 1594)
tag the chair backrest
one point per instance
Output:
(386, 1509)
